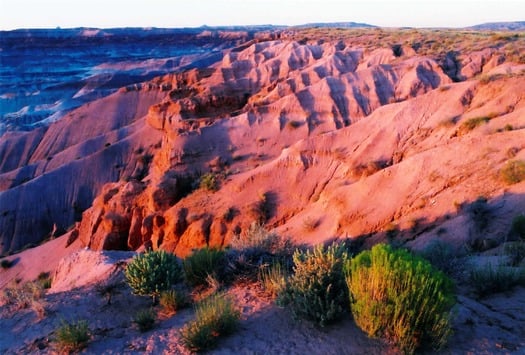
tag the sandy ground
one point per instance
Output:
(491, 325)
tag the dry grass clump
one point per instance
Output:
(202, 264)
(73, 336)
(215, 317)
(472, 123)
(513, 172)
(488, 279)
(273, 278)
(173, 300)
(28, 295)
(145, 319)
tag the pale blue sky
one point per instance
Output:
(193, 13)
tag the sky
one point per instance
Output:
(194, 13)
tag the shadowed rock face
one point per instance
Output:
(352, 139)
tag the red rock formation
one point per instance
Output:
(354, 139)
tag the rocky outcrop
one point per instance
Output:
(292, 130)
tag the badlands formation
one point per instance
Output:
(320, 134)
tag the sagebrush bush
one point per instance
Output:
(73, 336)
(317, 291)
(151, 273)
(257, 239)
(513, 172)
(215, 317)
(400, 296)
(256, 247)
(145, 319)
(203, 263)
(488, 279)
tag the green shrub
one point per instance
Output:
(144, 319)
(203, 263)
(273, 278)
(518, 227)
(215, 316)
(73, 336)
(317, 291)
(513, 172)
(173, 300)
(515, 251)
(400, 296)
(44, 279)
(209, 181)
(488, 279)
(150, 273)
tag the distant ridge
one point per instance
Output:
(500, 26)
(336, 25)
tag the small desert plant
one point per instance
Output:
(44, 279)
(399, 296)
(20, 296)
(144, 319)
(273, 278)
(150, 273)
(73, 336)
(173, 300)
(515, 251)
(472, 123)
(317, 291)
(258, 239)
(488, 279)
(441, 255)
(6, 264)
(513, 172)
(256, 247)
(108, 290)
(480, 213)
(517, 227)
(209, 181)
(203, 263)
(215, 316)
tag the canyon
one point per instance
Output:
(413, 137)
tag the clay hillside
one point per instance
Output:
(408, 137)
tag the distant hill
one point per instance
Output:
(500, 26)
(336, 25)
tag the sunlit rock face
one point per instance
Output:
(315, 137)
